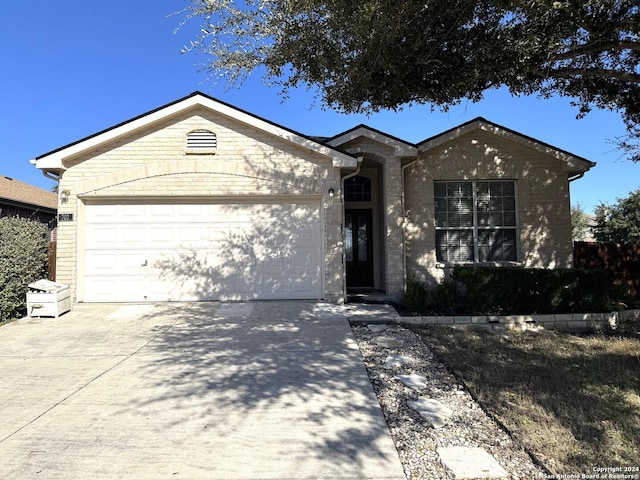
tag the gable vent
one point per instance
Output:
(201, 141)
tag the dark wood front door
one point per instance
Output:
(359, 248)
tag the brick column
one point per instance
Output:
(392, 201)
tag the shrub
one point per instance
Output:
(445, 297)
(493, 290)
(416, 296)
(628, 324)
(442, 299)
(23, 259)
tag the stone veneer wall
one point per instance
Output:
(567, 322)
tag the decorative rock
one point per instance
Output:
(433, 411)
(377, 327)
(471, 462)
(388, 342)
(415, 440)
(417, 382)
(434, 419)
(395, 361)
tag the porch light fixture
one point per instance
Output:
(64, 195)
(332, 192)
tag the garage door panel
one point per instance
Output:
(301, 284)
(274, 264)
(132, 237)
(101, 263)
(133, 213)
(273, 285)
(108, 262)
(161, 211)
(303, 257)
(128, 289)
(160, 236)
(191, 236)
(304, 233)
(106, 213)
(203, 251)
(104, 289)
(102, 237)
(132, 262)
(190, 210)
(243, 285)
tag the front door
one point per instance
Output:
(359, 248)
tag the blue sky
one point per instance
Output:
(70, 69)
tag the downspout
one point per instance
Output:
(51, 176)
(404, 217)
(344, 254)
(352, 174)
(577, 176)
(55, 178)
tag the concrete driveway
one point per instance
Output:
(259, 390)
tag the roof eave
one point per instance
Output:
(29, 206)
(54, 161)
(401, 148)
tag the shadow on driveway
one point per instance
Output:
(201, 390)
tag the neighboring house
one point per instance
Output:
(198, 200)
(23, 200)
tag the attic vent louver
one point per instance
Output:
(201, 141)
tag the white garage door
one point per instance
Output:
(205, 251)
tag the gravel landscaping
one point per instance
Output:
(416, 440)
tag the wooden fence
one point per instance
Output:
(51, 261)
(622, 262)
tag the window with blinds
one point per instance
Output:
(475, 221)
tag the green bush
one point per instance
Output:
(628, 325)
(526, 291)
(23, 259)
(443, 299)
(494, 290)
(416, 296)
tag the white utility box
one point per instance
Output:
(48, 299)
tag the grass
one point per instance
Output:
(572, 401)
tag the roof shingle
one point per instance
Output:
(18, 191)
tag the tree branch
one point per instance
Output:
(593, 72)
(572, 52)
